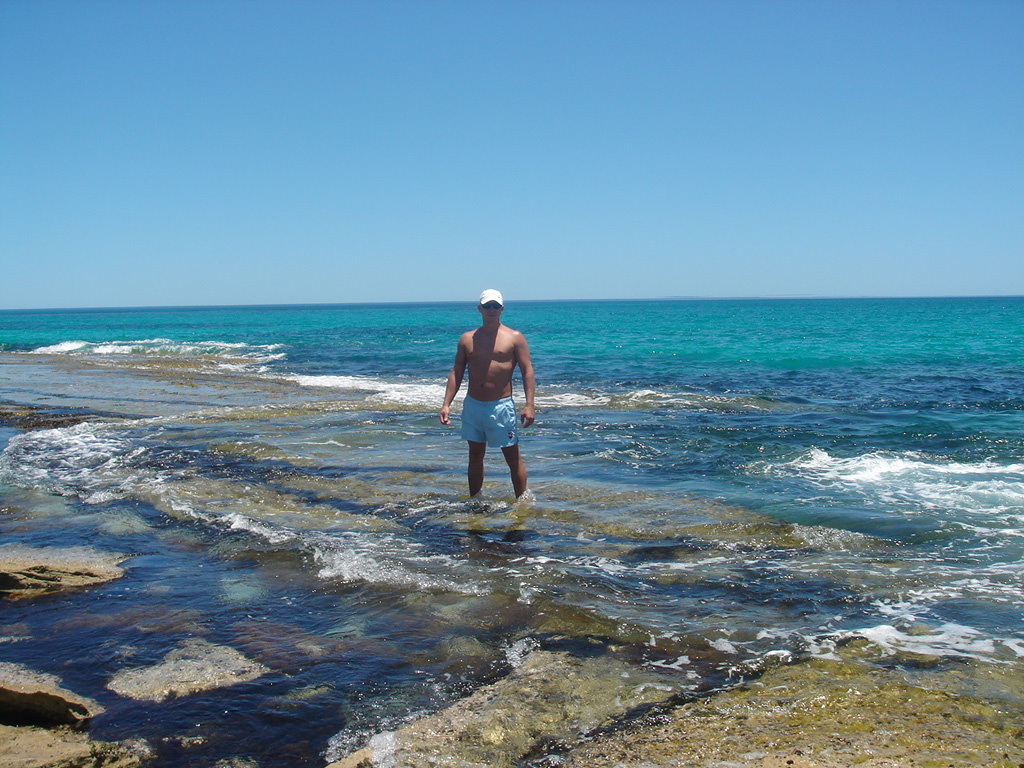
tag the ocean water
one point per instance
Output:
(715, 484)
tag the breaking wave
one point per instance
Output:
(987, 494)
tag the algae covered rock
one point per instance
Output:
(819, 714)
(552, 697)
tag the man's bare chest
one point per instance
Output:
(486, 351)
(487, 355)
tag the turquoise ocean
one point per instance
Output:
(716, 485)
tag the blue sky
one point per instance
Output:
(194, 152)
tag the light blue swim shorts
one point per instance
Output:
(492, 421)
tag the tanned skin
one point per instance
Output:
(490, 354)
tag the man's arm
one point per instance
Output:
(529, 385)
(454, 382)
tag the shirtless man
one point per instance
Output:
(491, 353)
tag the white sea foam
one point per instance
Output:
(377, 560)
(430, 393)
(410, 394)
(382, 744)
(342, 556)
(364, 383)
(910, 468)
(380, 391)
(822, 538)
(653, 398)
(516, 652)
(947, 640)
(63, 348)
(274, 534)
(571, 400)
(225, 354)
(723, 645)
(992, 493)
(85, 460)
(1015, 645)
(677, 664)
(384, 747)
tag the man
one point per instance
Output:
(491, 353)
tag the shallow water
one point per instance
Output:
(715, 483)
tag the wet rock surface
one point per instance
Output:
(194, 667)
(26, 417)
(32, 571)
(552, 698)
(30, 747)
(818, 714)
(41, 725)
(34, 698)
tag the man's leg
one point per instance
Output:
(516, 468)
(476, 466)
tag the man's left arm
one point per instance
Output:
(529, 385)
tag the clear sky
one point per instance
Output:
(187, 152)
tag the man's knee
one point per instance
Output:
(476, 450)
(512, 456)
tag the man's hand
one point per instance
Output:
(527, 416)
(444, 417)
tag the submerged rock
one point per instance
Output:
(818, 714)
(35, 698)
(27, 417)
(30, 747)
(551, 698)
(30, 571)
(196, 666)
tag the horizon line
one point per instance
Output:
(424, 302)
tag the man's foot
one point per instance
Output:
(525, 499)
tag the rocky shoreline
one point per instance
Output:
(555, 708)
(42, 724)
(818, 713)
(593, 712)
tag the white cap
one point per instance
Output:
(491, 295)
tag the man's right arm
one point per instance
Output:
(454, 382)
